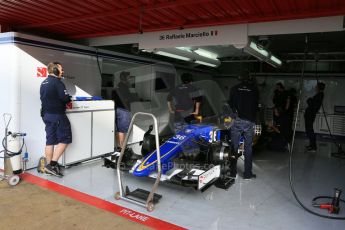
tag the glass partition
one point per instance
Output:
(150, 85)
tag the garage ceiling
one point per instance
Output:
(75, 19)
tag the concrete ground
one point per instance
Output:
(27, 206)
(264, 203)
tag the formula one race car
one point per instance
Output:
(197, 156)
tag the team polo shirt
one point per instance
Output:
(53, 95)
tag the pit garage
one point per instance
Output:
(163, 174)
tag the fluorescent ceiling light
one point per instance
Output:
(259, 50)
(186, 54)
(205, 63)
(172, 55)
(276, 60)
(189, 49)
(262, 54)
(201, 52)
(147, 50)
(206, 53)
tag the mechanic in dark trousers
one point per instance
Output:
(243, 100)
(184, 102)
(54, 98)
(314, 104)
(123, 98)
(280, 96)
(290, 110)
(279, 130)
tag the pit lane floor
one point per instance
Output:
(262, 203)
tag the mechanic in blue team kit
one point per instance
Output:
(54, 98)
(243, 100)
(184, 102)
(314, 104)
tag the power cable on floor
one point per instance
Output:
(293, 141)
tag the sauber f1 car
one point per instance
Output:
(198, 156)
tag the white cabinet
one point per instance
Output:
(93, 126)
(80, 148)
(103, 138)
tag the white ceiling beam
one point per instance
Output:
(203, 36)
(310, 25)
(229, 34)
(113, 40)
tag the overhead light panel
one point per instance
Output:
(262, 54)
(260, 50)
(186, 54)
(206, 63)
(206, 53)
(189, 49)
(172, 55)
(147, 50)
(276, 60)
(201, 52)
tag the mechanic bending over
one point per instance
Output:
(54, 98)
(184, 102)
(243, 100)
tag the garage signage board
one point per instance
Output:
(203, 36)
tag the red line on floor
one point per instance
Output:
(99, 203)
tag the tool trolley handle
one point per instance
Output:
(154, 188)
